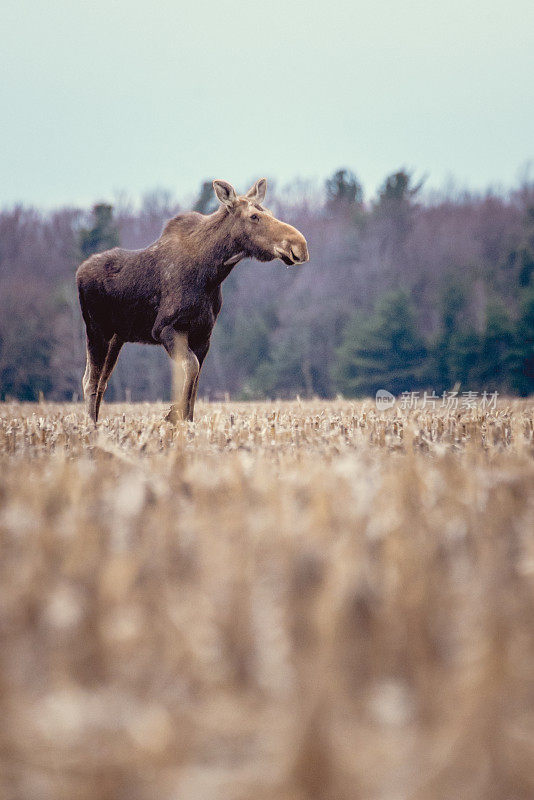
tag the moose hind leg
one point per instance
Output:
(185, 373)
(114, 349)
(97, 349)
(200, 353)
(193, 398)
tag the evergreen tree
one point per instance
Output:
(283, 373)
(397, 190)
(496, 352)
(103, 235)
(455, 349)
(464, 359)
(26, 341)
(522, 258)
(383, 351)
(395, 208)
(523, 353)
(249, 341)
(206, 201)
(525, 258)
(343, 191)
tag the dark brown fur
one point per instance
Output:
(170, 293)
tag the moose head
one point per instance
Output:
(255, 230)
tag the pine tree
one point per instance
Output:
(103, 235)
(383, 351)
(396, 197)
(206, 201)
(523, 352)
(283, 373)
(343, 191)
(521, 258)
(455, 352)
(496, 351)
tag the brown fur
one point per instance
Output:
(170, 292)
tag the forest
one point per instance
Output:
(408, 290)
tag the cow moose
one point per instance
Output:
(170, 292)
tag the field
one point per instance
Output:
(281, 601)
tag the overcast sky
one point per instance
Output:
(109, 95)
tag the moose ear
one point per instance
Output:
(225, 193)
(257, 193)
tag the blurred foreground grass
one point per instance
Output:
(283, 601)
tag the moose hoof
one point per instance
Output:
(175, 415)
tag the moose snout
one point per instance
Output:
(299, 251)
(293, 249)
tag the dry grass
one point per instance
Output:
(278, 602)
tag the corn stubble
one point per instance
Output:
(283, 601)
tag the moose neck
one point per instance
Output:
(218, 244)
(226, 251)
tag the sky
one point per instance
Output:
(111, 96)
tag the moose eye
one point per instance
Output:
(254, 217)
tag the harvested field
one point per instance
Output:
(281, 601)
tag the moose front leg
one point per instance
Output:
(97, 348)
(184, 374)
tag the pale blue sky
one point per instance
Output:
(110, 95)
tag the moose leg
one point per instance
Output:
(200, 353)
(193, 399)
(97, 349)
(114, 349)
(185, 373)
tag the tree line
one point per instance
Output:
(404, 291)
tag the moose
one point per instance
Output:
(170, 292)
